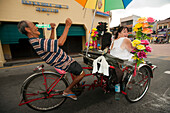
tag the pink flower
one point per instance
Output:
(96, 32)
(150, 20)
(141, 54)
(90, 44)
(145, 42)
(148, 48)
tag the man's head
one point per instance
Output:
(28, 28)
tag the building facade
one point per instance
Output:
(163, 24)
(163, 30)
(129, 22)
(14, 45)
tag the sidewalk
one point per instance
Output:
(28, 61)
(160, 51)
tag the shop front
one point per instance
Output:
(16, 46)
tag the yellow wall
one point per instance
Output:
(2, 60)
(15, 11)
(7, 51)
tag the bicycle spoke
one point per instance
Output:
(38, 98)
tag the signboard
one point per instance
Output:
(43, 25)
(34, 3)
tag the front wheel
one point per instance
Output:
(137, 86)
(35, 91)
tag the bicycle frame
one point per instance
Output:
(51, 87)
(96, 83)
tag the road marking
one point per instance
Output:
(21, 65)
(159, 103)
(167, 72)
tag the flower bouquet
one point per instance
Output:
(93, 42)
(94, 37)
(141, 44)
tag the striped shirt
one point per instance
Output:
(49, 51)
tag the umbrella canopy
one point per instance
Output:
(104, 5)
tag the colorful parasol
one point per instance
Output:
(103, 6)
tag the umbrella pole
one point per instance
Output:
(91, 27)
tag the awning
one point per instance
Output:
(9, 33)
(75, 30)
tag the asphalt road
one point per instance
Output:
(157, 99)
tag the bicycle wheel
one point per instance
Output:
(35, 92)
(137, 86)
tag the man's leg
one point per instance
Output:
(75, 81)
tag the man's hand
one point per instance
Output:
(52, 25)
(68, 22)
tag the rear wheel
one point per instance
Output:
(137, 86)
(35, 92)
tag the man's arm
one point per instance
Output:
(52, 30)
(63, 37)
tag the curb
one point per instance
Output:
(28, 61)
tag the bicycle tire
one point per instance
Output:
(36, 83)
(133, 94)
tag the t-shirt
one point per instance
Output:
(49, 51)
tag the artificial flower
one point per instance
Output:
(136, 42)
(141, 20)
(150, 20)
(94, 29)
(96, 32)
(91, 47)
(141, 54)
(147, 31)
(148, 49)
(145, 42)
(145, 25)
(135, 29)
(140, 47)
(142, 28)
(92, 34)
(138, 25)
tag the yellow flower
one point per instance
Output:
(135, 29)
(94, 29)
(140, 47)
(91, 47)
(142, 19)
(92, 34)
(143, 61)
(136, 42)
(135, 58)
(138, 25)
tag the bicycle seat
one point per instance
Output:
(60, 71)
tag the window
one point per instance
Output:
(129, 22)
(165, 26)
(160, 27)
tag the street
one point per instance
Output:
(157, 99)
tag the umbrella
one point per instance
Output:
(103, 6)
